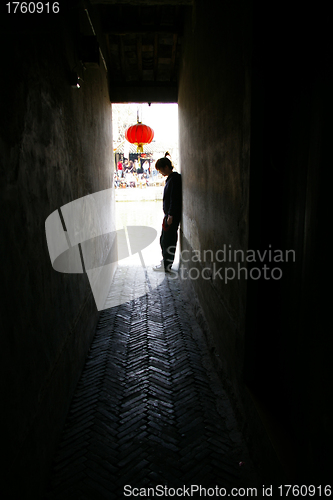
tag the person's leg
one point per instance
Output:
(160, 267)
(161, 241)
(168, 243)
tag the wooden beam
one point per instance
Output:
(144, 3)
(139, 55)
(143, 93)
(139, 30)
(173, 56)
(155, 56)
(121, 57)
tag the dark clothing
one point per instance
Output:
(172, 196)
(168, 242)
(172, 205)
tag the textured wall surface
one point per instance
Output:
(254, 113)
(55, 147)
(214, 114)
(288, 347)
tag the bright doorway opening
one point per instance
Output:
(138, 186)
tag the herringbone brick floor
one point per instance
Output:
(149, 409)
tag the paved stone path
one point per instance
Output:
(149, 409)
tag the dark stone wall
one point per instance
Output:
(214, 102)
(288, 346)
(254, 110)
(214, 114)
(55, 147)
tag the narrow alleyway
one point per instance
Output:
(149, 409)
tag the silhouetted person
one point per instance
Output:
(172, 206)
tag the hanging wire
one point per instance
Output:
(139, 113)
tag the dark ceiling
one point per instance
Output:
(143, 45)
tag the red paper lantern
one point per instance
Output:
(139, 134)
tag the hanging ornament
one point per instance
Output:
(139, 134)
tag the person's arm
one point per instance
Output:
(175, 199)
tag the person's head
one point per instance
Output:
(164, 165)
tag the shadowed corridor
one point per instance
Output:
(149, 408)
